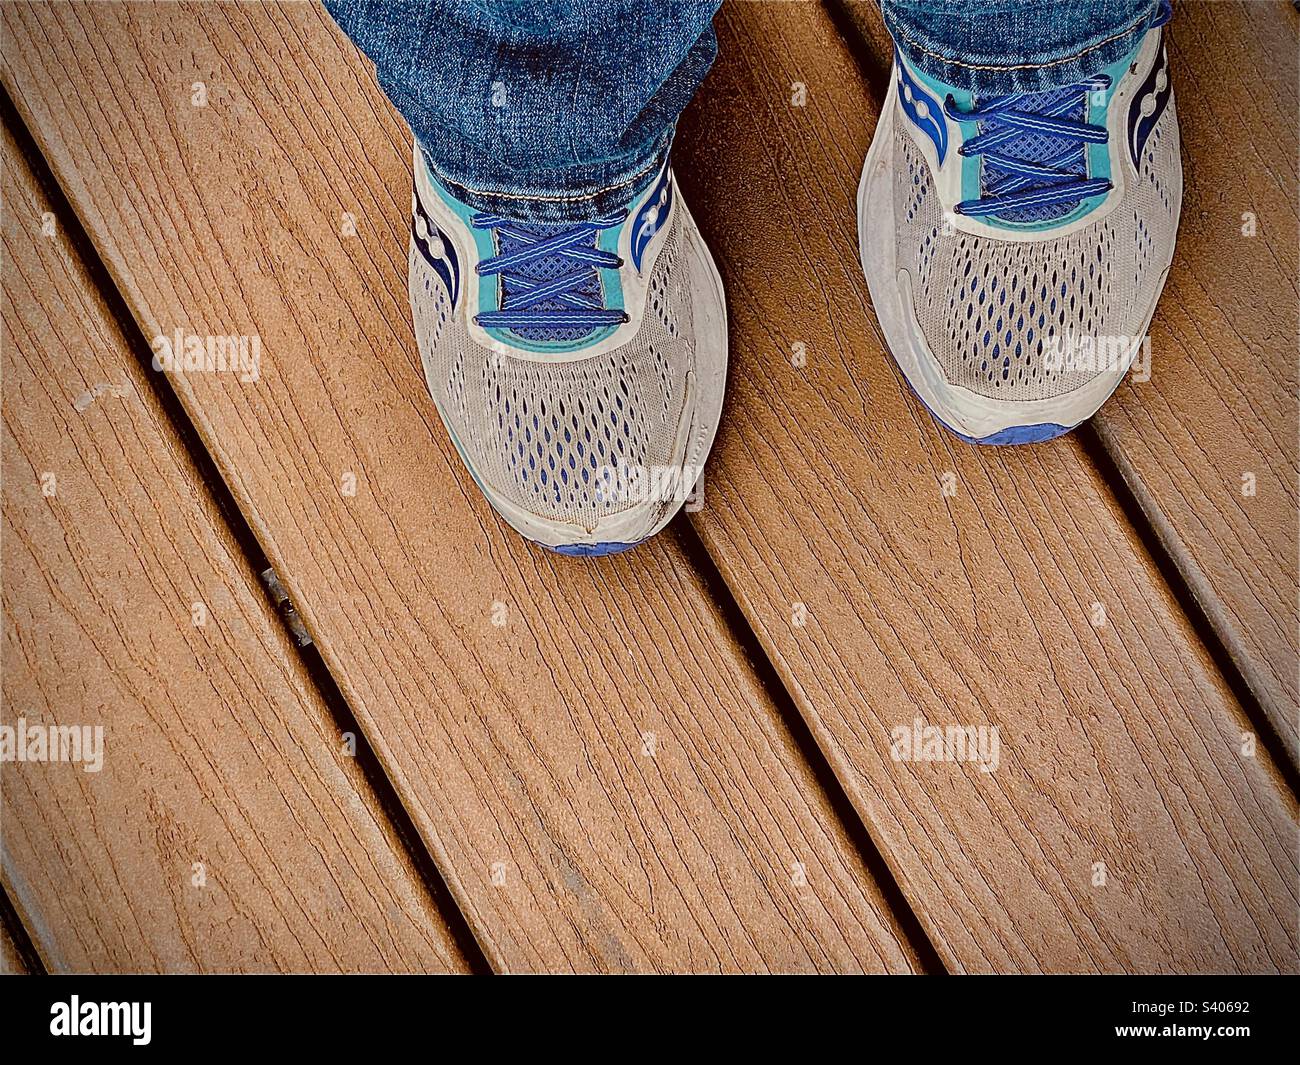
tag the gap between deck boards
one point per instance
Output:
(701, 560)
(253, 555)
(868, 43)
(389, 799)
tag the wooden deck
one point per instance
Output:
(491, 758)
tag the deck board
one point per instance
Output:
(11, 962)
(217, 750)
(1222, 400)
(1221, 403)
(520, 749)
(1120, 743)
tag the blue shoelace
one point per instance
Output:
(1034, 148)
(550, 288)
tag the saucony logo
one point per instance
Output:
(1149, 103)
(922, 108)
(652, 217)
(436, 247)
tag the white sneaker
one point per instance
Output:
(1015, 248)
(578, 367)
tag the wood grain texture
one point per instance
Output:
(601, 778)
(1221, 404)
(220, 761)
(1120, 747)
(11, 962)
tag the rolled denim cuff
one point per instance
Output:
(570, 194)
(1012, 46)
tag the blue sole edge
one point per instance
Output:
(1011, 436)
(590, 550)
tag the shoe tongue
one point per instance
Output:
(1036, 148)
(546, 269)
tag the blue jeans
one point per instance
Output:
(562, 110)
(999, 47)
(540, 110)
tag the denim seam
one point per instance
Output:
(1021, 66)
(486, 194)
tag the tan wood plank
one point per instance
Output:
(601, 777)
(1120, 747)
(224, 829)
(1218, 419)
(11, 962)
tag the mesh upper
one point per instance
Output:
(988, 307)
(539, 433)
